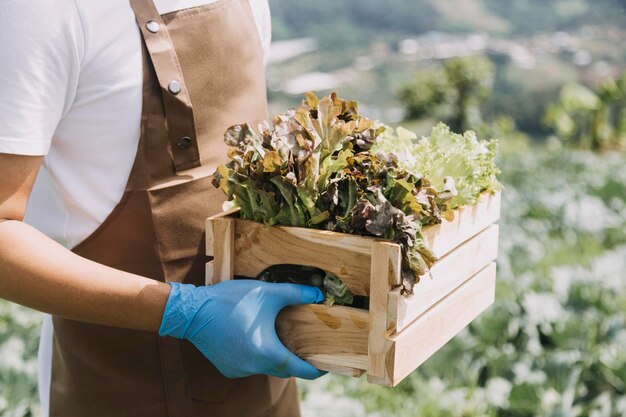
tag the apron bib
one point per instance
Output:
(203, 72)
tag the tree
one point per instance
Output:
(591, 119)
(453, 93)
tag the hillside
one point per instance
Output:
(372, 18)
(368, 49)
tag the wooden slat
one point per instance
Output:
(258, 247)
(425, 336)
(447, 274)
(351, 364)
(208, 273)
(208, 236)
(357, 244)
(210, 240)
(223, 249)
(331, 338)
(468, 221)
(385, 273)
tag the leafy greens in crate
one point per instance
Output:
(325, 166)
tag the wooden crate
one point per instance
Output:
(398, 333)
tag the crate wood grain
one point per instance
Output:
(448, 273)
(409, 348)
(468, 221)
(351, 341)
(333, 338)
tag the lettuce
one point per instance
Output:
(455, 163)
(325, 166)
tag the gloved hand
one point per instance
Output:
(233, 324)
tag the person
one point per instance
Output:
(112, 115)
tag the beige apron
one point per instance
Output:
(203, 72)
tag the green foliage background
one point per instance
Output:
(19, 338)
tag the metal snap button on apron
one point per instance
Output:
(152, 26)
(174, 87)
(184, 142)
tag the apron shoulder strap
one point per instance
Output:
(178, 108)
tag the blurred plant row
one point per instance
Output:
(456, 92)
(554, 342)
(19, 338)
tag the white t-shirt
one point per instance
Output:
(71, 89)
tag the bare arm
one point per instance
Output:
(39, 273)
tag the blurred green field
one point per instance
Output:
(554, 344)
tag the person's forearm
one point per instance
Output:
(39, 273)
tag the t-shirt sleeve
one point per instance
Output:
(263, 18)
(41, 44)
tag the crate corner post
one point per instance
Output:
(385, 276)
(220, 244)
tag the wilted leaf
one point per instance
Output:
(272, 161)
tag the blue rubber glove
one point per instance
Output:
(233, 324)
